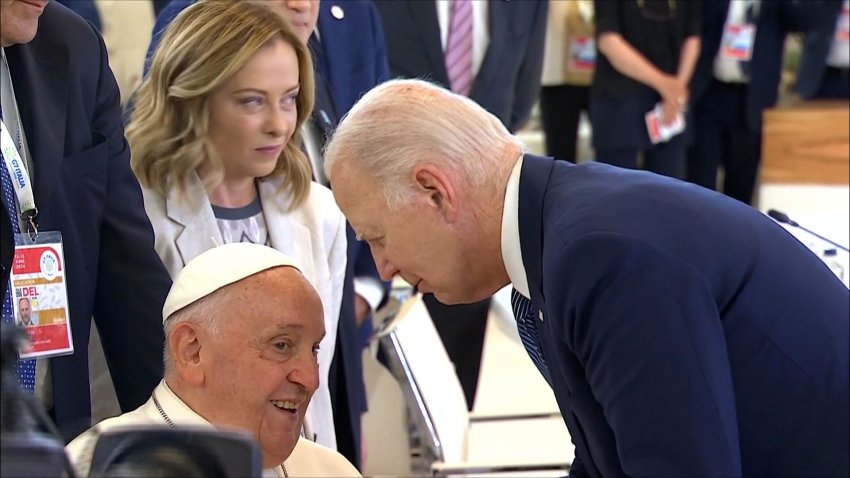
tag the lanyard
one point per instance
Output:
(20, 179)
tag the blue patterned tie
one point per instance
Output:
(26, 368)
(525, 313)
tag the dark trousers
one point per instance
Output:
(721, 138)
(835, 84)
(663, 158)
(620, 135)
(560, 110)
(461, 328)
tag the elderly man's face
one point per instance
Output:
(262, 369)
(19, 20)
(415, 241)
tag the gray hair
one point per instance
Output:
(402, 123)
(203, 312)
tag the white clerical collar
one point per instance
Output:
(511, 250)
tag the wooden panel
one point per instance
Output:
(807, 143)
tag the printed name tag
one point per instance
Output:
(659, 132)
(582, 54)
(39, 295)
(737, 42)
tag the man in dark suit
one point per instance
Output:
(729, 95)
(683, 333)
(824, 71)
(349, 59)
(509, 47)
(76, 155)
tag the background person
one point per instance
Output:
(647, 52)
(215, 134)
(60, 94)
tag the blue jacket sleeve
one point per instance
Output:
(528, 81)
(165, 17)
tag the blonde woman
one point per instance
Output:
(215, 141)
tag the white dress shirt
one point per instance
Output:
(728, 70)
(511, 250)
(839, 50)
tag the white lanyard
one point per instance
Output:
(20, 178)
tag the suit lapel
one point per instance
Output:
(287, 230)
(498, 23)
(41, 92)
(336, 62)
(423, 15)
(194, 212)
(534, 179)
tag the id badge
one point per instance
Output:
(659, 132)
(582, 54)
(842, 29)
(653, 126)
(39, 294)
(737, 42)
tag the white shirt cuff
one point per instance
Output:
(371, 289)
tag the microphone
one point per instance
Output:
(780, 216)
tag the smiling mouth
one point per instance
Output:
(285, 405)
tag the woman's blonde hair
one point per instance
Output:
(205, 46)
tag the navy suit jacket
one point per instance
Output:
(776, 19)
(815, 50)
(84, 8)
(84, 188)
(686, 333)
(508, 82)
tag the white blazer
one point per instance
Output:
(313, 234)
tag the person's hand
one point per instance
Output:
(674, 98)
(673, 90)
(361, 310)
(669, 111)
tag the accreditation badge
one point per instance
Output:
(737, 42)
(842, 29)
(39, 294)
(582, 54)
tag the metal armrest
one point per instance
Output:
(477, 417)
(473, 468)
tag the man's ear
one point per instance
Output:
(185, 346)
(439, 188)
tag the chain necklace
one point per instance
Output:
(162, 412)
(171, 424)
